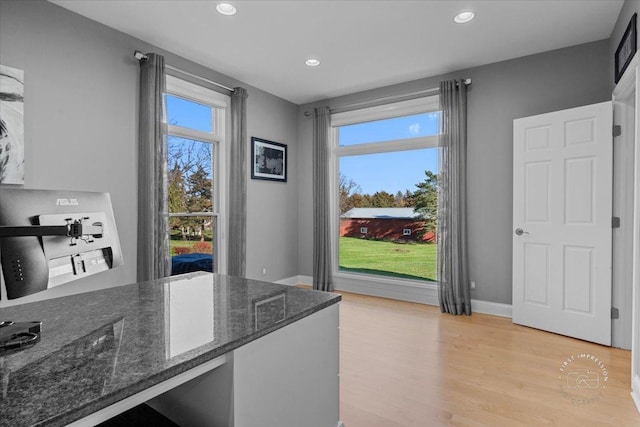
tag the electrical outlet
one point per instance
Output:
(473, 284)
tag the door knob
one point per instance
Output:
(520, 232)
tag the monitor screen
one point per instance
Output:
(52, 237)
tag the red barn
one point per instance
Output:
(395, 224)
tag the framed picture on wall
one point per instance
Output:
(268, 160)
(11, 125)
(626, 49)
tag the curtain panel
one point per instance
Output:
(452, 263)
(154, 257)
(236, 265)
(322, 274)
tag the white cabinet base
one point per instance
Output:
(288, 378)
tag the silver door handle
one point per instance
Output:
(520, 232)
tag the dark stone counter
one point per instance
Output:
(100, 347)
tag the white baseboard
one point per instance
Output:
(635, 391)
(493, 308)
(305, 280)
(291, 281)
(421, 294)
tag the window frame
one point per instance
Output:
(220, 103)
(357, 282)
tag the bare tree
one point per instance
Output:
(190, 184)
(347, 188)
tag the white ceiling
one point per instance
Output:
(362, 44)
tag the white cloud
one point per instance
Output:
(414, 129)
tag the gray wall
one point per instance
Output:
(81, 97)
(272, 214)
(499, 93)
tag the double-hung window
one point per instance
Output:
(196, 125)
(384, 166)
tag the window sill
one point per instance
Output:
(387, 287)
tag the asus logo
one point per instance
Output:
(67, 202)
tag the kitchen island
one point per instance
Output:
(201, 348)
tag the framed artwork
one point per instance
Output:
(268, 160)
(11, 125)
(626, 49)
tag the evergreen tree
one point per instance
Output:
(177, 193)
(190, 186)
(177, 198)
(425, 200)
(200, 198)
(382, 199)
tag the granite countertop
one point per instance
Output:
(100, 347)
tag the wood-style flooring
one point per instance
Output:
(406, 364)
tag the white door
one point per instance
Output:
(562, 198)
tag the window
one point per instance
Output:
(196, 123)
(385, 165)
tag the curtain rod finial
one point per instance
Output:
(139, 55)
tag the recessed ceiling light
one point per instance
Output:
(463, 17)
(226, 9)
(312, 62)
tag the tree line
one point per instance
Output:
(190, 190)
(190, 187)
(424, 199)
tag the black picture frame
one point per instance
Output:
(268, 160)
(626, 49)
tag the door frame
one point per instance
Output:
(625, 97)
(624, 103)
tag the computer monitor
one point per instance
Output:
(52, 237)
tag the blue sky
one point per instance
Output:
(188, 114)
(395, 171)
(391, 172)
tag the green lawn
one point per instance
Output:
(180, 242)
(188, 245)
(406, 260)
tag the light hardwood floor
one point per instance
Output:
(405, 364)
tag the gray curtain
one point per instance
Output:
(453, 275)
(154, 258)
(236, 265)
(322, 279)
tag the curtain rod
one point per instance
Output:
(384, 100)
(140, 56)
